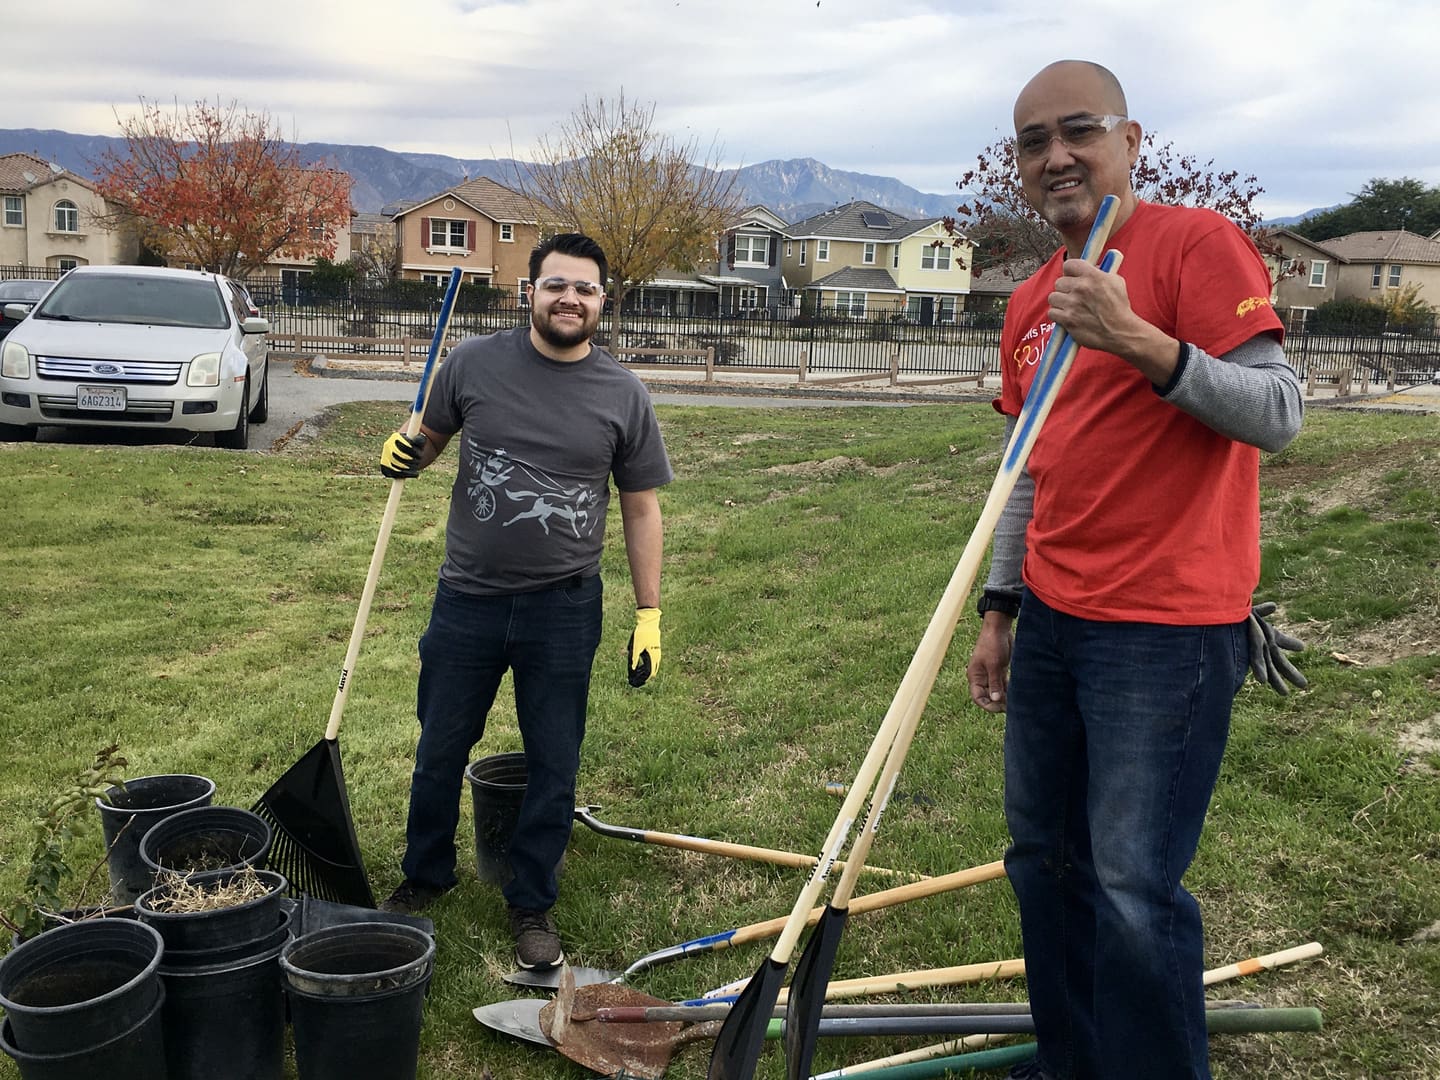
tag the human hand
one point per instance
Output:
(990, 663)
(1268, 662)
(1093, 306)
(643, 652)
(400, 456)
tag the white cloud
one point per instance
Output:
(1313, 98)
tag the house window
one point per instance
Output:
(447, 233)
(1317, 273)
(850, 303)
(1395, 269)
(1375, 274)
(752, 251)
(935, 258)
(67, 217)
(432, 279)
(507, 233)
(749, 297)
(869, 255)
(524, 297)
(66, 265)
(895, 258)
(947, 309)
(802, 252)
(822, 250)
(787, 249)
(14, 210)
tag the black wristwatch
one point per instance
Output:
(994, 600)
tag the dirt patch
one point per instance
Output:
(833, 467)
(759, 436)
(1412, 634)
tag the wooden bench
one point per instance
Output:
(1336, 373)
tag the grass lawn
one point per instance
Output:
(195, 606)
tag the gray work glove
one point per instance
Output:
(1268, 662)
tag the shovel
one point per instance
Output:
(308, 808)
(548, 979)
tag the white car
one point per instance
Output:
(138, 347)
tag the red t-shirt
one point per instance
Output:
(1142, 513)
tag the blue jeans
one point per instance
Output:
(548, 640)
(1113, 740)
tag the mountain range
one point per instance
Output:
(794, 189)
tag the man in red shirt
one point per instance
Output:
(1129, 551)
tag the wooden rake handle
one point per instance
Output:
(387, 521)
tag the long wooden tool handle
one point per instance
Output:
(1059, 355)
(1263, 963)
(387, 521)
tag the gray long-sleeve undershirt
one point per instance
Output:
(1251, 395)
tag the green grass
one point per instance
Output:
(195, 606)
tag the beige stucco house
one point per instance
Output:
(52, 218)
(482, 226)
(860, 259)
(1360, 266)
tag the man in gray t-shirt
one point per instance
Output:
(545, 420)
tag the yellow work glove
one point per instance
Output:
(643, 655)
(400, 456)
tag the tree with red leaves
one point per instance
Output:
(219, 187)
(1006, 230)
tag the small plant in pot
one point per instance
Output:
(45, 900)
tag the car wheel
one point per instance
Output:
(261, 412)
(17, 433)
(238, 437)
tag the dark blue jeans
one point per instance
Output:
(1113, 740)
(548, 640)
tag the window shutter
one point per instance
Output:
(774, 248)
(730, 251)
(470, 235)
(424, 232)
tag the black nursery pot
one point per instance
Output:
(80, 985)
(218, 928)
(126, 816)
(205, 839)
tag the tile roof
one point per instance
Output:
(1393, 245)
(368, 223)
(489, 198)
(848, 222)
(853, 277)
(21, 172)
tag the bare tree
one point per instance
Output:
(649, 200)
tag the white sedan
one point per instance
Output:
(138, 347)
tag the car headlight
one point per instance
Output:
(204, 370)
(15, 361)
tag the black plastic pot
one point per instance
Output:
(206, 839)
(357, 994)
(65, 918)
(130, 814)
(226, 1019)
(271, 939)
(220, 928)
(497, 788)
(135, 1054)
(80, 985)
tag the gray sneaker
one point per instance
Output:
(537, 944)
(412, 897)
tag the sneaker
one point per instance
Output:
(413, 897)
(1029, 1070)
(537, 945)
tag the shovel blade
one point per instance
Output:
(806, 1003)
(742, 1037)
(519, 1018)
(549, 978)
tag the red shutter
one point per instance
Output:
(470, 235)
(424, 233)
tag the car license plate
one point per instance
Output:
(100, 398)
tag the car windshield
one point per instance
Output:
(20, 291)
(120, 298)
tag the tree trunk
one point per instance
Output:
(617, 320)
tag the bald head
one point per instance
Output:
(1098, 80)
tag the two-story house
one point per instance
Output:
(484, 227)
(53, 218)
(1358, 266)
(859, 260)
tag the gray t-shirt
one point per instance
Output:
(539, 441)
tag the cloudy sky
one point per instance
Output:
(1314, 97)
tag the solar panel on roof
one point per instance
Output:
(874, 220)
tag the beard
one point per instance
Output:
(565, 336)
